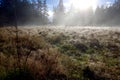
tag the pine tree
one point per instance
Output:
(45, 9)
(116, 12)
(99, 15)
(7, 11)
(59, 13)
(39, 6)
(45, 12)
(34, 12)
(61, 6)
(89, 18)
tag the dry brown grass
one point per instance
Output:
(35, 54)
(40, 52)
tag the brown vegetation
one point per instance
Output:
(57, 55)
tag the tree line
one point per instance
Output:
(35, 12)
(103, 15)
(24, 11)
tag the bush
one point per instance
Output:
(57, 38)
(46, 65)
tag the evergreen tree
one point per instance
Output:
(34, 12)
(59, 13)
(7, 11)
(116, 12)
(45, 12)
(99, 16)
(61, 7)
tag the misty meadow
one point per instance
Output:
(59, 40)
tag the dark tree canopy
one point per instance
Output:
(27, 12)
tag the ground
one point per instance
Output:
(85, 53)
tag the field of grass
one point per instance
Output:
(60, 53)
